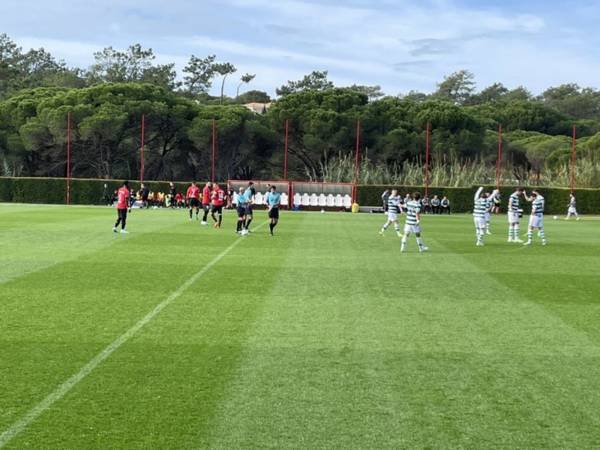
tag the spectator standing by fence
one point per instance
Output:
(172, 194)
(106, 198)
(144, 192)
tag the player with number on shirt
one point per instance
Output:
(413, 223)
(514, 216)
(536, 219)
(122, 207)
(193, 198)
(481, 205)
(206, 201)
(394, 209)
(217, 202)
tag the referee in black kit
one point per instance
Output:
(273, 202)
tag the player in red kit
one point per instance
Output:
(206, 201)
(217, 203)
(193, 198)
(122, 207)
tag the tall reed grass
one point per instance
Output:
(458, 173)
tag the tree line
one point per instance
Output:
(108, 99)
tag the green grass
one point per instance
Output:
(322, 337)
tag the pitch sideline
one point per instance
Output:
(65, 387)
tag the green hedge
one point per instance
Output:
(91, 192)
(461, 199)
(83, 191)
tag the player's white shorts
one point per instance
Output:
(513, 217)
(392, 216)
(536, 221)
(488, 216)
(572, 210)
(412, 229)
(479, 222)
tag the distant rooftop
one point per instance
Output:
(258, 108)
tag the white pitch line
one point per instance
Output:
(64, 388)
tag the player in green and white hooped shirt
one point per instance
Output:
(514, 213)
(536, 219)
(481, 206)
(572, 211)
(393, 211)
(490, 198)
(412, 223)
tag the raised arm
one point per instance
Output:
(478, 193)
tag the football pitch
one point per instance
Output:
(178, 336)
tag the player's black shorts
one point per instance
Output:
(248, 210)
(216, 209)
(194, 203)
(122, 213)
(241, 210)
(274, 213)
(206, 206)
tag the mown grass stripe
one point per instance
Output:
(65, 387)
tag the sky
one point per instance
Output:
(401, 45)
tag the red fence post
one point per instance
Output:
(427, 143)
(499, 158)
(142, 148)
(573, 160)
(285, 156)
(69, 158)
(214, 150)
(356, 162)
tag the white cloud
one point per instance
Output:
(399, 44)
(283, 56)
(75, 53)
